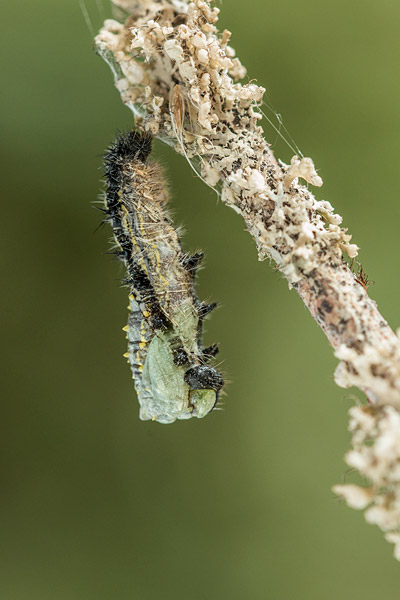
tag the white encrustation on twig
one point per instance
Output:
(180, 77)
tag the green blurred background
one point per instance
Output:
(98, 505)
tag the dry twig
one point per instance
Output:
(180, 77)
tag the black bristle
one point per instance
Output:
(204, 309)
(101, 209)
(127, 282)
(192, 262)
(117, 254)
(210, 352)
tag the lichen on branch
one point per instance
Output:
(181, 78)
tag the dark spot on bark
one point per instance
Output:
(268, 210)
(351, 369)
(356, 345)
(342, 325)
(326, 306)
(377, 371)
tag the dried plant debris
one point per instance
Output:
(181, 78)
(179, 75)
(375, 454)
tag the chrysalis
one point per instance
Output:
(164, 331)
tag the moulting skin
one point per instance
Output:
(180, 77)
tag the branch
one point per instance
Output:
(179, 76)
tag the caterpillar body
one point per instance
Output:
(164, 330)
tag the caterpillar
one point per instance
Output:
(169, 364)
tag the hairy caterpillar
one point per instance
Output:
(164, 331)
